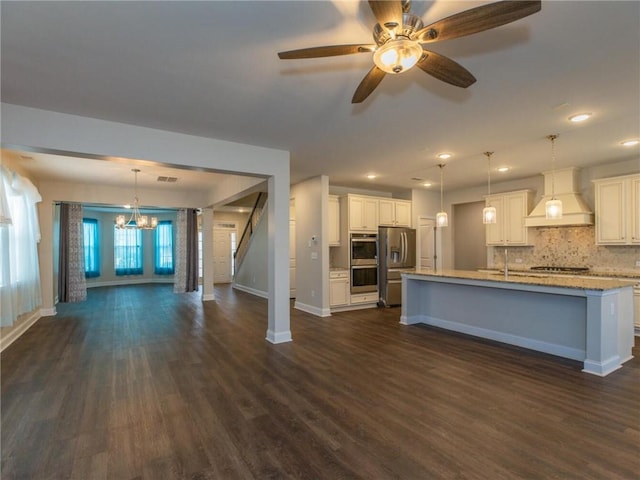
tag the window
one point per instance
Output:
(91, 248)
(164, 248)
(127, 251)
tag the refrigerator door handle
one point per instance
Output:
(404, 248)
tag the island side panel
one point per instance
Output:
(609, 330)
(545, 322)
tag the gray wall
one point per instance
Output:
(470, 251)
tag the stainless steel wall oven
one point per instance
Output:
(364, 249)
(364, 262)
(364, 278)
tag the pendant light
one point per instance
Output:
(488, 212)
(441, 217)
(136, 220)
(553, 207)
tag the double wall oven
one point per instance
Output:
(364, 262)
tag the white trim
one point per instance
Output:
(208, 298)
(278, 337)
(48, 312)
(17, 332)
(602, 369)
(317, 311)
(133, 281)
(252, 291)
(545, 347)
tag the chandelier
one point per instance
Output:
(136, 220)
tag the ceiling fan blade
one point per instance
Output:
(445, 69)
(388, 13)
(326, 51)
(368, 84)
(477, 20)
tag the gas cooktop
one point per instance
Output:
(560, 269)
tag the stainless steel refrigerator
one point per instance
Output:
(396, 253)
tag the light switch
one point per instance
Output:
(314, 255)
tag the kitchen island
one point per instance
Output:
(590, 320)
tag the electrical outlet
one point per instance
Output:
(313, 293)
(637, 263)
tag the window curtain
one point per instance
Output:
(91, 248)
(186, 259)
(127, 251)
(163, 252)
(19, 237)
(72, 285)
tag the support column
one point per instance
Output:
(278, 330)
(207, 254)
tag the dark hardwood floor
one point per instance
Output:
(138, 382)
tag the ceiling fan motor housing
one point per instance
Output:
(410, 25)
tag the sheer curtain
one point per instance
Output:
(186, 259)
(19, 237)
(72, 285)
(163, 248)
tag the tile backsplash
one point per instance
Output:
(570, 247)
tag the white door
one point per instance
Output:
(222, 255)
(427, 244)
(292, 259)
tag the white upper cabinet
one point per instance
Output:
(511, 211)
(618, 210)
(394, 213)
(334, 220)
(363, 213)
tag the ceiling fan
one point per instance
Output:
(399, 36)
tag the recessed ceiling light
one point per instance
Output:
(371, 176)
(580, 117)
(426, 184)
(444, 156)
(630, 143)
(503, 169)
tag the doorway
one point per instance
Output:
(427, 244)
(224, 239)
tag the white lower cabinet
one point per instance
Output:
(364, 298)
(339, 288)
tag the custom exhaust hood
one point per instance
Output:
(575, 210)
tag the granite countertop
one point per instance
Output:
(574, 282)
(590, 273)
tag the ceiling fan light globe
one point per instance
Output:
(397, 55)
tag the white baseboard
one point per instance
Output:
(208, 297)
(131, 281)
(22, 327)
(545, 347)
(48, 312)
(252, 291)
(317, 311)
(278, 337)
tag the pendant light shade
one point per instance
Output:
(553, 207)
(442, 220)
(488, 212)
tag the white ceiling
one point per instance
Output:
(211, 69)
